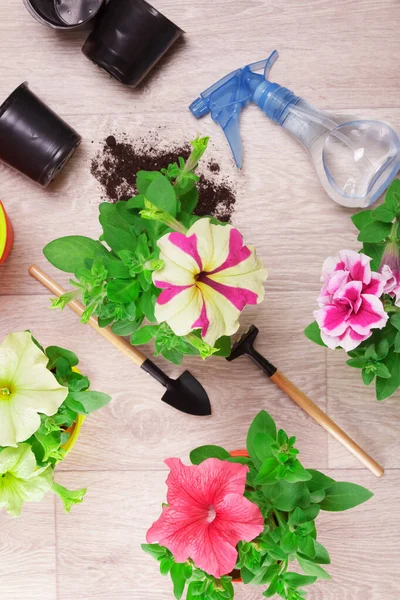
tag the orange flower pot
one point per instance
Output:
(235, 578)
(6, 235)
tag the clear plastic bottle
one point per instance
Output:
(355, 159)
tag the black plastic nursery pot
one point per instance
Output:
(129, 37)
(63, 14)
(33, 139)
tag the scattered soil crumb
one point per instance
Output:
(120, 158)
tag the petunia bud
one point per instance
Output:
(391, 257)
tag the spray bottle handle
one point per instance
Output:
(226, 99)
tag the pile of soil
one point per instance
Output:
(117, 163)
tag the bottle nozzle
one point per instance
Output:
(199, 107)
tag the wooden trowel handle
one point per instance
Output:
(318, 415)
(123, 345)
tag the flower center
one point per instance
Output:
(5, 393)
(211, 514)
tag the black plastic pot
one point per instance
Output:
(63, 14)
(128, 38)
(33, 139)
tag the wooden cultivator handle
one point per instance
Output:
(326, 422)
(124, 346)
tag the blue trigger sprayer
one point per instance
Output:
(355, 159)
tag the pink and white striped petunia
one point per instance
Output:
(350, 305)
(207, 514)
(208, 278)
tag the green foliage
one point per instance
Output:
(47, 443)
(290, 498)
(114, 276)
(313, 333)
(378, 357)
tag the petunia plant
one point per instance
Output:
(43, 401)
(359, 304)
(246, 516)
(159, 272)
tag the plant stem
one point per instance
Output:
(393, 233)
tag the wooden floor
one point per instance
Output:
(341, 56)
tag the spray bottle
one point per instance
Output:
(355, 159)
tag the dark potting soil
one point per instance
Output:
(117, 163)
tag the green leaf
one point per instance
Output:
(154, 550)
(123, 290)
(367, 376)
(312, 569)
(162, 194)
(137, 201)
(384, 213)
(392, 198)
(69, 497)
(54, 352)
(297, 473)
(70, 253)
(166, 565)
(395, 320)
(313, 333)
(319, 481)
(267, 472)
(397, 342)
(289, 542)
(189, 201)
(382, 371)
(224, 346)
(376, 231)
(343, 496)
(362, 219)
(90, 401)
(51, 444)
(286, 496)
(358, 362)
(375, 251)
(200, 454)
(321, 554)
(144, 179)
(263, 423)
(306, 546)
(295, 580)
(317, 496)
(124, 328)
(263, 446)
(143, 335)
(178, 579)
(387, 387)
(247, 576)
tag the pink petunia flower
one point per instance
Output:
(390, 269)
(207, 514)
(392, 286)
(350, 305)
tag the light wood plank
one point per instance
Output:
(28, 553)
(374, 423)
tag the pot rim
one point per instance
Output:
(75, 428)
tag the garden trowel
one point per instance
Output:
(185, 393)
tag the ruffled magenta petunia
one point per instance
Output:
(207, 514)
(350, 305)
(209, 276)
